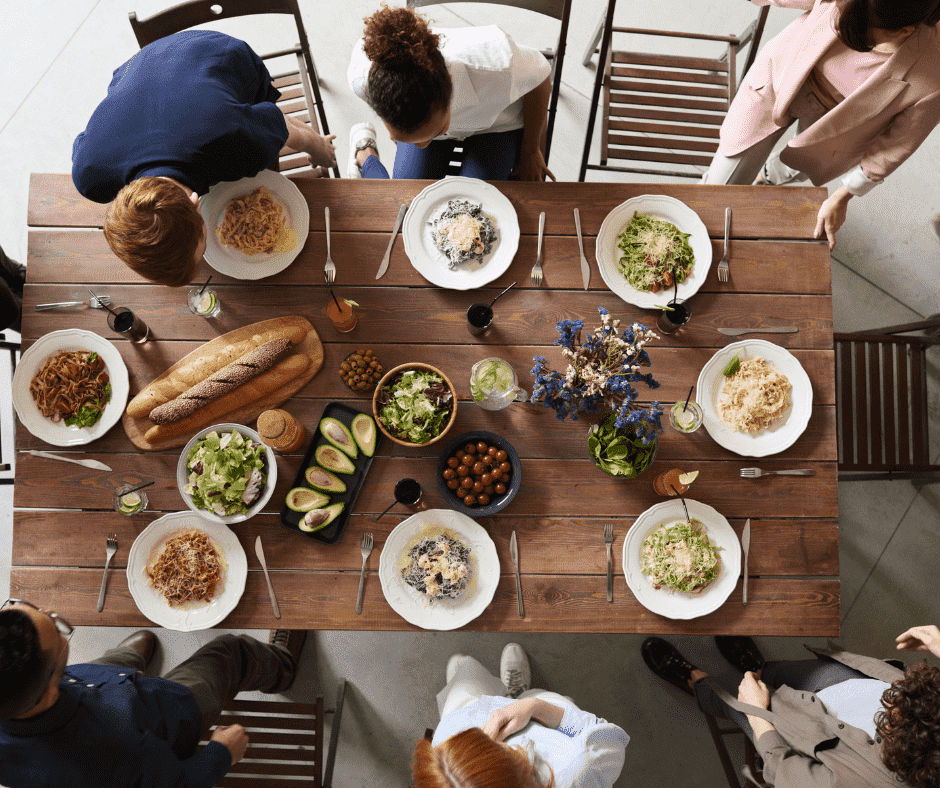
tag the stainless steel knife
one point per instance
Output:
(391, 242)
(585, 266)
(98, 466)
(514, 554)
(259, 551)
(736, 332)
(746, 546)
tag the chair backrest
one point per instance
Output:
(556, 9)
(7, 356)
(749, 772)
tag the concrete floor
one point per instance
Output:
(58, 58)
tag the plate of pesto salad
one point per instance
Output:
(678, 569)
(647, 244)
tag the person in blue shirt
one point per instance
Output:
(105, 724)
(186, 112)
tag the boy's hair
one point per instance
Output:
(22, 665)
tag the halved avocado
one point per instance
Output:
(339, 435)
(303, 499)
(316, 519)
(333, 459)
(363, 430)
(323, 480)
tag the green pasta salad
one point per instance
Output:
(655, 254)
(680, 556)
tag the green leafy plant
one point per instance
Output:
(619, 451)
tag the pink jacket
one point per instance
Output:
(877, 126)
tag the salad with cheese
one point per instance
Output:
(226, 472)
(463, 233)
(416, 406)
(680, 556)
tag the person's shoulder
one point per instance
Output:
(485, 47)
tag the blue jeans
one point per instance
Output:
(489, 157)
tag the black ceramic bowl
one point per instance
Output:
(499, 502)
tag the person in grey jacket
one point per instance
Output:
(840, 719)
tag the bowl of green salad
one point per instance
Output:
(226, 474)
(414, 404)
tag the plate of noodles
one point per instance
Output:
(256, 226)
(763, 407)
(439, 569)
(460, 233)
(64, 377)
(646, 240)
(658, 532)
(186, 573)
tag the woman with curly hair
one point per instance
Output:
(488, 740)
(838, 720)
(436, 88)
(861, 79)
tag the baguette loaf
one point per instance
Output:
(197, 366)
(222, 382)
(262, 386)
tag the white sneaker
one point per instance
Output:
(514, 670)
(361, 135)
(452, 664)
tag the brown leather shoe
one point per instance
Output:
(291, 639)
(143, 642)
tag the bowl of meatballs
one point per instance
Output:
(478, 473)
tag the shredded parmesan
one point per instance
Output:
(754, 396)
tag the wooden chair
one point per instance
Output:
(10, 349)
(750, 772)
(300, 89)
(663, 108)
(881, 402)
(556, 9)
(285, 748)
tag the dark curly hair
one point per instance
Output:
(408, 79)
(910, 726)
(858, 17)
(21, 663)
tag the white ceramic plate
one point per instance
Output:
(423, 252)
(677, 604)
(237, 264)
(196, 615)
(182, 476)
(660, 207)
(447, 613)
(785, 430)
(57, 433)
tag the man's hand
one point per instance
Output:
(831, 215)
(234, 738)
(321, 150)
(753, 691)
(532, 167)
(925, 638)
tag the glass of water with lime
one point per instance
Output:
(204, 301)
(493, 384)
(128, 503)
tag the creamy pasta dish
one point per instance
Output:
(438, 567)
(462, 233)
(754, 396)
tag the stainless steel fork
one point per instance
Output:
(329, 270)
(537, 268)
(608, 541)
(112, 547)
(756, 473)
(723, 266)
(366, 550)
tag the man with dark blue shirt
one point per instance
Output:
(105, 724)
(186, 112)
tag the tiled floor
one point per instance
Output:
(58, 56)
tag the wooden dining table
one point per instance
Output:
(780, 275)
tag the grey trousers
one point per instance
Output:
(219, 670)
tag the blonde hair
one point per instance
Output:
(471, 759)
(155, 228)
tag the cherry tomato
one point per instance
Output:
(453, 462)
(466, 483)
(470, 500)
(483, 499)
(478, 486)
(449, 473)
(487, 479)
(482, 447)
(501, 455)
(477, 468)
(470, 448)
(505, 466)
(462, 470)
(497, 474)
(453, 483)
(468, 459)
(500, 488)
(492, 451)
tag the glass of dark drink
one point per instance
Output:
(407, 492)
(479, 318)
(672, 319)
(124, 322)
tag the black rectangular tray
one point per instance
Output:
(331, 534)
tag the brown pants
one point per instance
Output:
(221, 669)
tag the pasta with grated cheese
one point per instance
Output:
(187, 570)
(254, 223)
(754, 396)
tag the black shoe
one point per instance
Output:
(665, 661)
(292, 640)
(740, 651)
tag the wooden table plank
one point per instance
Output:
(566, 603)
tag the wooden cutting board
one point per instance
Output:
(247, 414)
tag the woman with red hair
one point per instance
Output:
(488, 740)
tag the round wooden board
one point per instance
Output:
(311, 346)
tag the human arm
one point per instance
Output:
(507, 720)
(754, 692)
(302, 137)
(532, 166)
(923, 638)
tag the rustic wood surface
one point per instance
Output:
(779, 276)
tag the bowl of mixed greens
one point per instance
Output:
(619, 452)
(226, 474)
(414, 404)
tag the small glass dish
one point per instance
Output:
(129, 503)
(686, 418)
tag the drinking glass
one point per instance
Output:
(686, 418)
(129, 504)
(680, 314)
(479, 318)
(667, 483)
(343, 317)
(204, 301)
(124, 322)
(493, 384)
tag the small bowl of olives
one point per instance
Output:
(478, 473)
(361, 370)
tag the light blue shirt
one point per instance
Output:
(855, 702)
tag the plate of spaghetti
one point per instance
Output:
(256, 226)
(185, 573)
(763, 407)
(70, 387)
